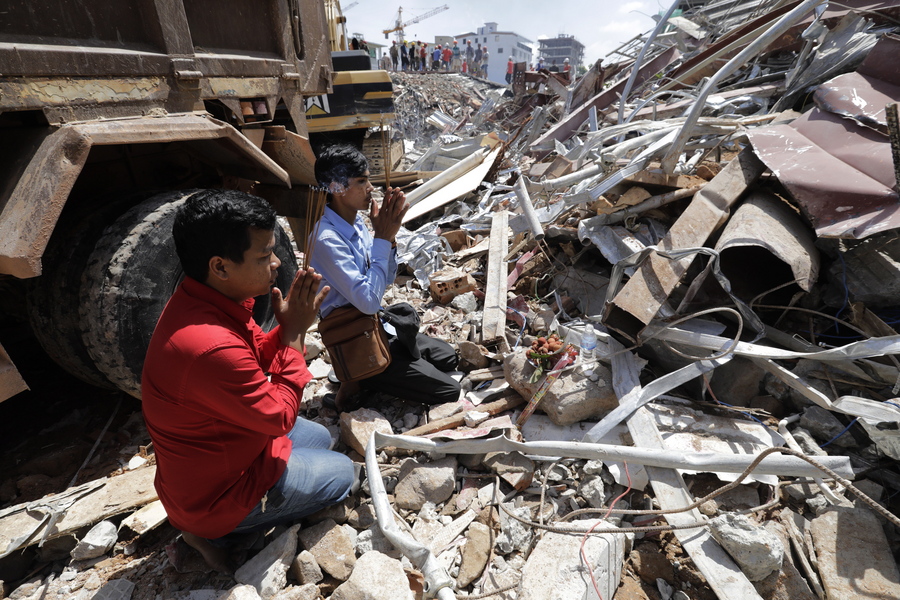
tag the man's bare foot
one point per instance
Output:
(216, 558)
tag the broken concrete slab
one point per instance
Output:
(241, 592)
(786, 583)
(332, 546)
(97, 542)
(357, 427)
(475, 553)
(267, 571)
(513, 467)
(429, 482)
(555, 570)
(574, 396)
(309, 591)
(305, 569)
(375, 577)
(83, 505)
(493, 326)
(757, 551)
(854, 558)
(146, 519)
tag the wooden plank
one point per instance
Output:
(146, 519)
(493, 324)
(110, 496)
(11, 383)
(492, 408)
(641, 297)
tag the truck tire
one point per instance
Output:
(51, 297)
(130, 276)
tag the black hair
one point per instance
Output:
(340, 163)
(217, 223)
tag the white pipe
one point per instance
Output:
(437, 581)
(784, 465)
(537, 230)
(551, 185)
(637, 62)
(436, 183)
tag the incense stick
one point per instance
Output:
(386, 150)
(315, 208)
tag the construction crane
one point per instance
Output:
(399, 24)
(349, 6)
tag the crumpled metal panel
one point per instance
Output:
(862, 95)
(836, 159)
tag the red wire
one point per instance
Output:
(586, 533)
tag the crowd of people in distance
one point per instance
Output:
(419, 56)
(422, 57)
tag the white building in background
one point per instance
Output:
(501, 45)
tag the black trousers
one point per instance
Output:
(423, 380)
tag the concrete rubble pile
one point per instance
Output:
(706, 222)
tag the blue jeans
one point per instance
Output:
(315, 477)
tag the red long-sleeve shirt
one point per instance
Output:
(217, 422)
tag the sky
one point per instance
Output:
(601, 25)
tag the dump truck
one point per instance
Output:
(112, 112)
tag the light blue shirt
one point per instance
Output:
(357, 267)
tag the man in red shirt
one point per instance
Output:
(220, 397)
(446, 56)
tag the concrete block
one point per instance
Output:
(358, 426)
(267, 571)
(376, 577)
(573, 397)
(446, 285)
(855, 560)
(305, 569)
(757, 551)
(97, 542)
(429, 482)
(555, 571)
(332, 547)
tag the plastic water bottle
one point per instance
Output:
(588, 345)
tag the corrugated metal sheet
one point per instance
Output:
(835, 160)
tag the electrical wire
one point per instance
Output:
(730, 486)
(890, 357)
(843, 431)
(713, 396)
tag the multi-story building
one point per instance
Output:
(501, 45)
(560, 48)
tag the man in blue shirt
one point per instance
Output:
(358, 267)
